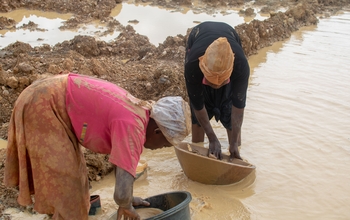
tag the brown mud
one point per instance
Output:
(130, 61)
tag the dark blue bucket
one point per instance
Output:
(174, 204)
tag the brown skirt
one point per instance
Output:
(43, 154)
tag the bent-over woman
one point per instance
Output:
(54, 116)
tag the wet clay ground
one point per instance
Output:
(130, 61)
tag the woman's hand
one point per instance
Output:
(127, 213)
(123, 191)
(234, 153)
(139, 201)
(215, 149)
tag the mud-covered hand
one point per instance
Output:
(215, 149)
(123, 195)
(139, 201)
(234, 153)
(127, 213)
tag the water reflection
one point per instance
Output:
(296, 125)
(168, 22)
(20, 14)
(49, 22)
(163, 23)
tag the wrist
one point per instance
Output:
(234, 146)
(124, 202)
(212, 138)
(125, 206)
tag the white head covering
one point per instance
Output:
(173, 117)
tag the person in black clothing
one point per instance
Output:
(217, 74)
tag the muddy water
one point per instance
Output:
(155, 27)
(297, 125)
(296, 131)
(48, 21)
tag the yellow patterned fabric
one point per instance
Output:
(217, 62)
(43, 154)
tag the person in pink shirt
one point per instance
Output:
(54, 116)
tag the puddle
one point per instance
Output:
(162, 23)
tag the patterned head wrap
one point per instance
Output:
(217, 61)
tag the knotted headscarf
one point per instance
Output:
(217, 61)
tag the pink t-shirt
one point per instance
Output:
(106, 121)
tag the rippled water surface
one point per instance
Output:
(297, 125)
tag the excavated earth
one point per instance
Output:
(130, 61)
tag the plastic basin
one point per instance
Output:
(198, 167)
(174, 204)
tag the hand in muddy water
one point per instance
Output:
(232, 158)
(212, 156)
(139, 201)
(215, 150)
(234, 152)
(129, 213)
(224, 158)
(144, 213)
